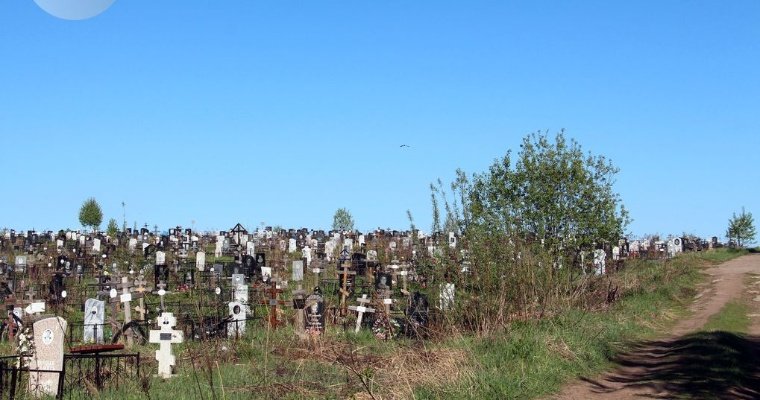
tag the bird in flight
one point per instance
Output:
(404, 145)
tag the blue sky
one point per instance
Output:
(282, 112)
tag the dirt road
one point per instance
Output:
(718, 365)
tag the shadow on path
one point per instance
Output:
(701, 365)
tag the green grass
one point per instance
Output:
(717, 256)
(536, 358)
(733, 317)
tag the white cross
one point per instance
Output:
(360, 310)
(165, 337)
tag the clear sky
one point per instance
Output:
(281, 112)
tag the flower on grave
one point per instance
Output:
(384, 329)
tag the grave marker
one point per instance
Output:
(48, 356)
(165, 337)
(360, 310)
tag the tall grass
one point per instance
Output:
(534, 358)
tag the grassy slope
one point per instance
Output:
(535, 358)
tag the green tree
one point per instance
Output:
(741, 228)
(113, 229)
(342, 220)
(524, 222)
(90, 214)
(553, 194)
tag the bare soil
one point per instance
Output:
(690, 364)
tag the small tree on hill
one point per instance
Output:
(90, 214)
(113, 229)
(741, 228)
(342, 220)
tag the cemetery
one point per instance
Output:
(88, 313)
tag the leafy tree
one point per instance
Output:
(524, 222)
(342, 220)
(741, 228)
(90, 214)
(113, 229)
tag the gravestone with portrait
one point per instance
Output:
(48, 356)
(236, 322)
(94, 319)
(315, 313)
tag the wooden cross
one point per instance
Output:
(273, 303)
(165, 337)
(11, 325)
(126, 298)
(360, 310)
(345, 272)
(140, 290)
(403, 273)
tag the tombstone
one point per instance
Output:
(261, 260)
(452, 240)
(446, 297)
(200, 261)
(615, 253)
(315, 313)
(165, 337)
(292, 245)
(306, 253)
(240, 288)
(96, 245)
(160, 258)
(298, 269)
(218, 249)
(236, 323)
(348, 244)
(94, 319)
(250, 248)
(600, 262)
(266, 274)
(417, 313)
(383, 282)
(21, 264)
(160, 274)
(48, 356)
(372, 255)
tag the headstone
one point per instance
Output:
(200, 261)
(250, 248)
(292, 245)
(266, 274)
(165, 337)
(446, 298)
(599, 261)
(417, 314)
(615, 253)
(236, 324)
(160, 258)
(306, 253)
(48, 356)
(94, 319)
(241, 289)
(372, 255)
(96, 245)
(315, 314)
(298, 268)
(452, 240)
(132, 245)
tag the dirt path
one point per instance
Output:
(687, 365)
